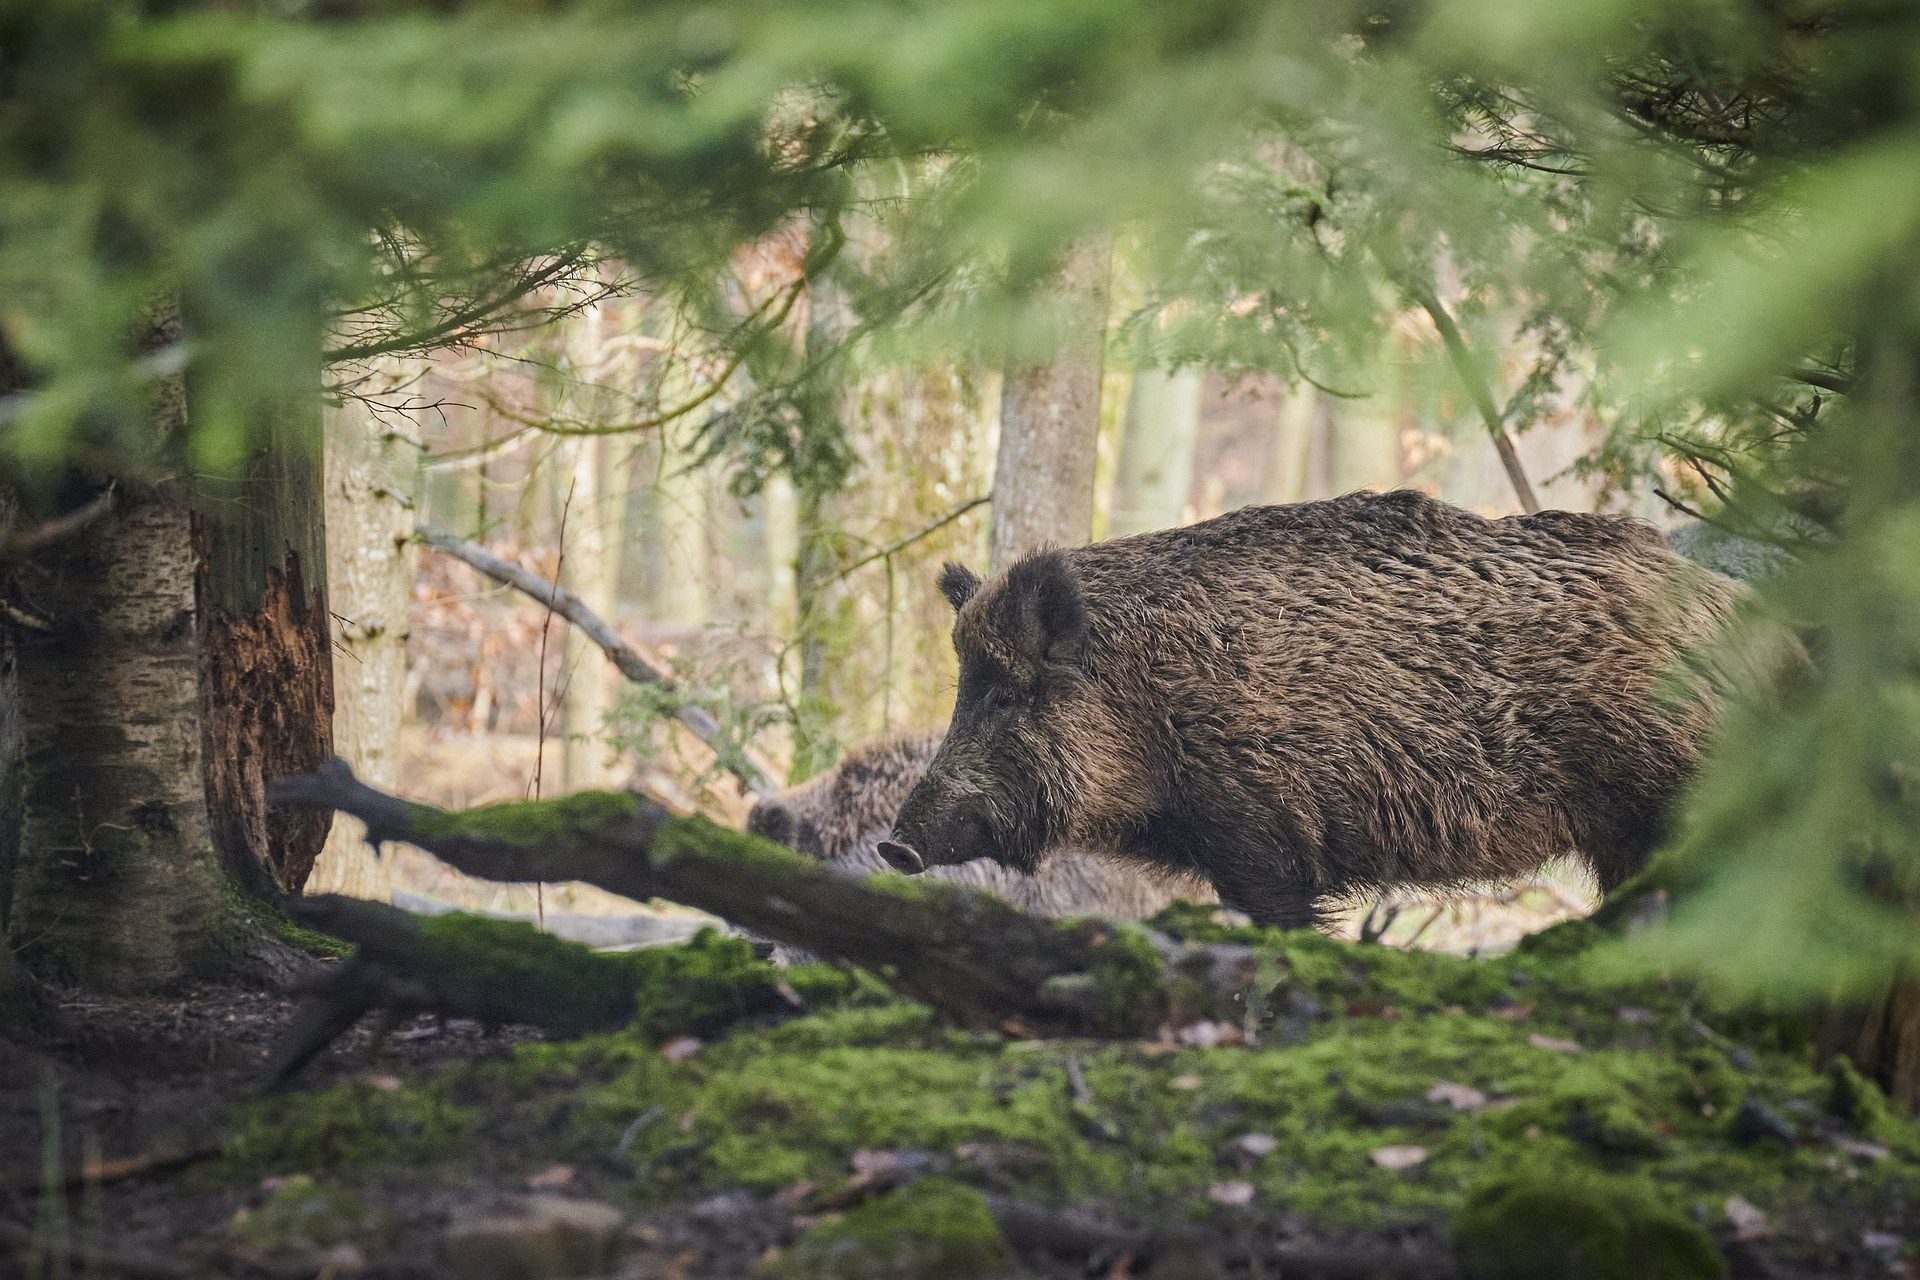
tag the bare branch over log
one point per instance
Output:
(1482, 395)
(967, 954)
(754, 774)
(20, 544)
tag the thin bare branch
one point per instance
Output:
(641, 668)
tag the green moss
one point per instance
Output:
(1578, 1226)
(1857, 1100)
(350, 1124)
(1362, 1036)
(695, 988)
(1127, 975)
(528, 822)
(303, 1215)
(933, 1230)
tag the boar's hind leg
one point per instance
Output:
(1283, 904)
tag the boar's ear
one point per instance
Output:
(1046, 618)
(958, 584)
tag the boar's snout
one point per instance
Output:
(901, 858)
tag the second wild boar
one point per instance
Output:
(842, 816)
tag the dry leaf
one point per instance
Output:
(1257, 1144)
(1189, 1082)
(558, 1175)
(680, 1048)
(1553, 1044)
(1749, 1223)
(1399, 1157)
(1461, 1097)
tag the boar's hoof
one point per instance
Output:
(901, 858)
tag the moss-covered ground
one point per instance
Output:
(1513, 1103)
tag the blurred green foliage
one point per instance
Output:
(1705, 215)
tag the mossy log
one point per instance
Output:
(976, 960)
(498, 972)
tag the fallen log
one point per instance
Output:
(966, 954)
(501, 972)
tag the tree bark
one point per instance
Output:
(266, 655)
(117, 885)
(590, 568)
(372, 477)
(1162, 428)
(1050, 423)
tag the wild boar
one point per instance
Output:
(841, 816)
(1301, 702)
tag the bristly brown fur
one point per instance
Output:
(1305, 701)
(841, 816)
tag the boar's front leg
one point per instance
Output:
(1269, 900)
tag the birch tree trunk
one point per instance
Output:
(372, 479)
(1157, 444)
(1050, 423)
(1284, 478)
(118, 886)
(590, 568)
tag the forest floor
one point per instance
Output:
(1391, 1113)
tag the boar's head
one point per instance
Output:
(994, 789)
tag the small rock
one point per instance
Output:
(540, 1237)
(1861, 1150)
(728, 1206)
(1460, 1097)
(1756, 1121)
(1883, 1242)
(343, 1260)
(1553, 1044)
(384, 1083)
(875, 1164)
(1231, 1193)
(552, 1176)
(1399, 1157)
(680, 1048)
(1749, 1223)
(1188, 1082)
(1634, 1016)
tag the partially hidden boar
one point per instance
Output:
(842, 816)
(1300, 702)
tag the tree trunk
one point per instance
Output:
(1156, 450)
(1284, 476)
(1050, 424)
(678, 525)
(266, 655)
(372, 476)
(118, 886)
(590, 568)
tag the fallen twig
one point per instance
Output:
(105, 1172)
